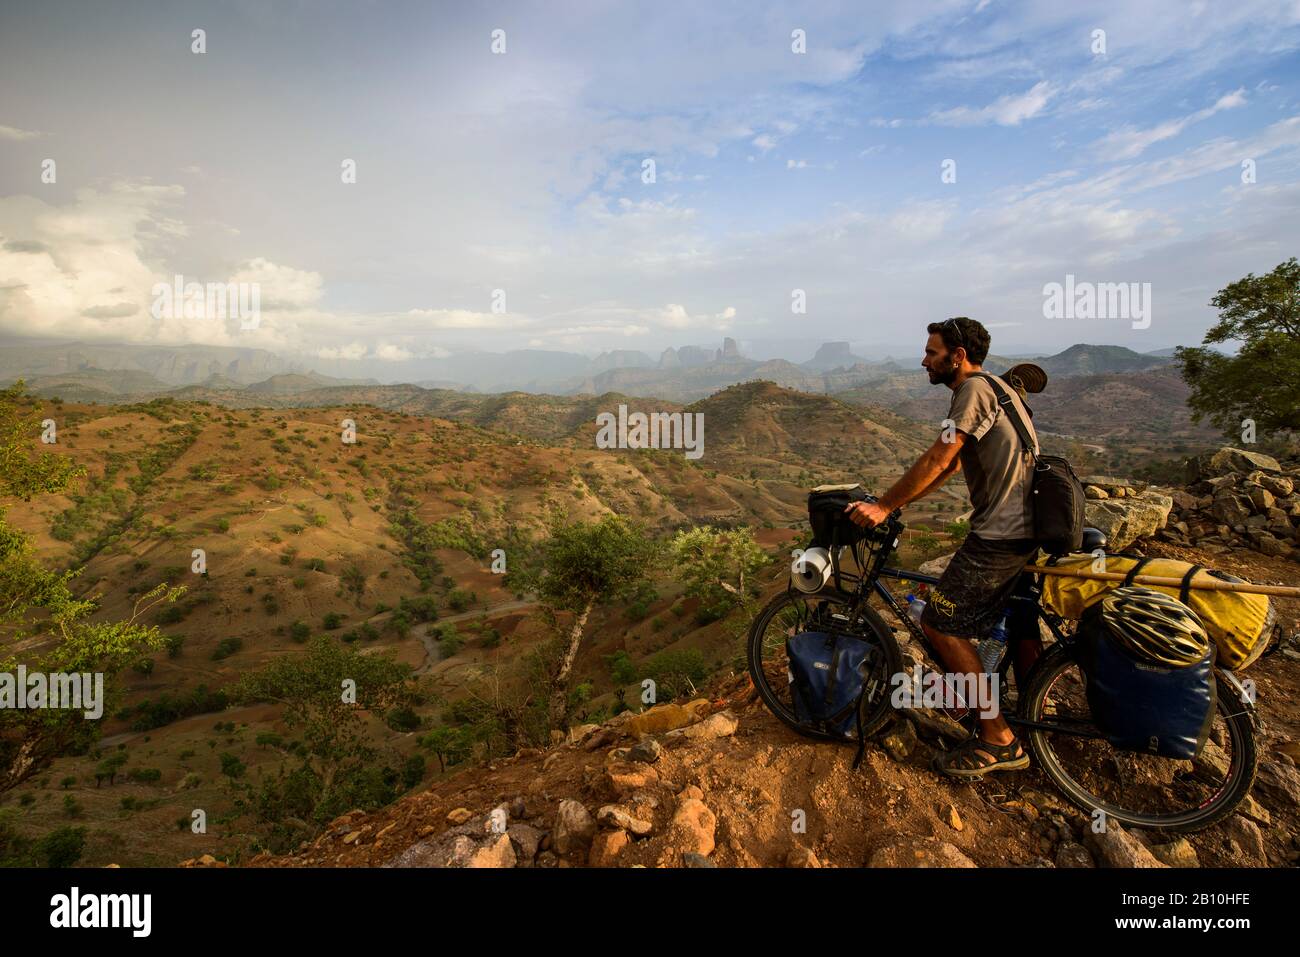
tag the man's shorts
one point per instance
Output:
(976, 586)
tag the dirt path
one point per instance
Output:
(421, 632)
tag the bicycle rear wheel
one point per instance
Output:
(789, 613)
(1140, 790)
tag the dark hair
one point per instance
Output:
(963, 333)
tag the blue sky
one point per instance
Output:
(521, 171)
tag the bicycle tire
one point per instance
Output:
(1054, 662)
(878, 714)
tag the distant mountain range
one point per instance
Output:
(683, 373)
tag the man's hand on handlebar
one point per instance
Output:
(867, 514)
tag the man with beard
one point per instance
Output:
(973, 591)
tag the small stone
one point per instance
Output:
(1247, 842)
(720, 725)
(952, 818)
(691, 859)
(800, 856)
(611, 815)
(605, 848)
(496, 853)
(1070, 854)
(692, 827)
(925, 852)
(1115, 847)
(574, 828)
(460, 815)
(1179, 853)
(900, 741)
(579, 732)
(625, 777)
(1255, 811)
(646, 751)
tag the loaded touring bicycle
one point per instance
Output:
(1043, 685)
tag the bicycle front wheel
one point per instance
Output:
(790, 613)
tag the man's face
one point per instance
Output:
(939, 362)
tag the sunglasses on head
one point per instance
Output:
(952, 324)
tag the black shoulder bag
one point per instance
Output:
(1058, 493)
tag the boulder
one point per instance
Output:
(1123, 521)
(1226, 460)
(666, 717)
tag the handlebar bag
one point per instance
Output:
(830, 526)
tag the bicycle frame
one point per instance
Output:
(872, 553)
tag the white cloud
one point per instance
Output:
(1129, 142)
(1010, 110)
(13, 133)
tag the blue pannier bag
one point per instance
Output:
(1166, 711)
(827, 675)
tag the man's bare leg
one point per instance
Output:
(959, 657)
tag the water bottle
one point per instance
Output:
(914, 608)
(992, 648)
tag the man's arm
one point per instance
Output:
(930, 471)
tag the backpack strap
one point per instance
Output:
(1133, 572)
(1184, 591)
(1011, 412)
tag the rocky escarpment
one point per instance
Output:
(1238, 499)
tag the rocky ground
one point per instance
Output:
(721, 783)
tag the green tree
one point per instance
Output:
(314, 688)
(448, 744)
(717, 566)
(577, 566)
(1262, 381)
(38, 609)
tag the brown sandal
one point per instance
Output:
(974, 758)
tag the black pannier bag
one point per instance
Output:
(831, 528)
(1058, 493)
(1138, 706)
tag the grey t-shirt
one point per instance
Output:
(998, 470)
